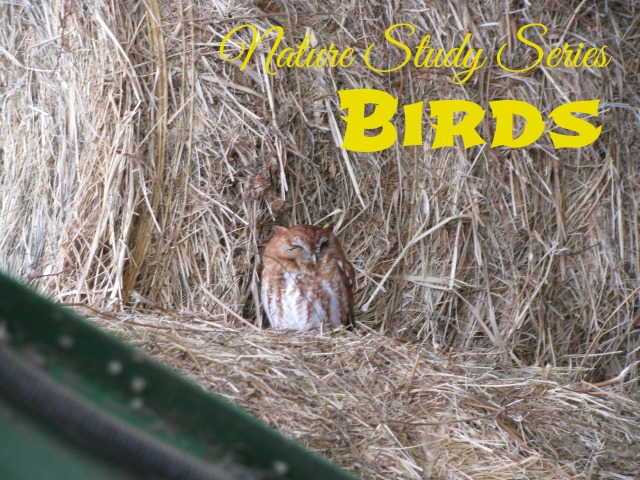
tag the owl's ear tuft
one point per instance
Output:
(278, 230)
(328, 227)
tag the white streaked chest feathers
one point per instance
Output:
(302, 301)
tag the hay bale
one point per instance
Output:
(383, 408)
(140, 171)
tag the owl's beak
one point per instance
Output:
(313, 257)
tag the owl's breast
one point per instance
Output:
(305, 300)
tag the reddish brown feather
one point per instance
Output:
(300, 294)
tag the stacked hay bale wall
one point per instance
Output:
(141, 171)
(139, 166)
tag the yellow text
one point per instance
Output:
(358, 135)
(303, 56)
(566, 55)
(426, 56)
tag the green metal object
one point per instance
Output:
(76, 403)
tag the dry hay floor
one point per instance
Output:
(384, 409)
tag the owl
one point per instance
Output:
(307, 282)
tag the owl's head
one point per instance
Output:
(305, 245)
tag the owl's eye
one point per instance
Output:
(293, 247)
(323, 243)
